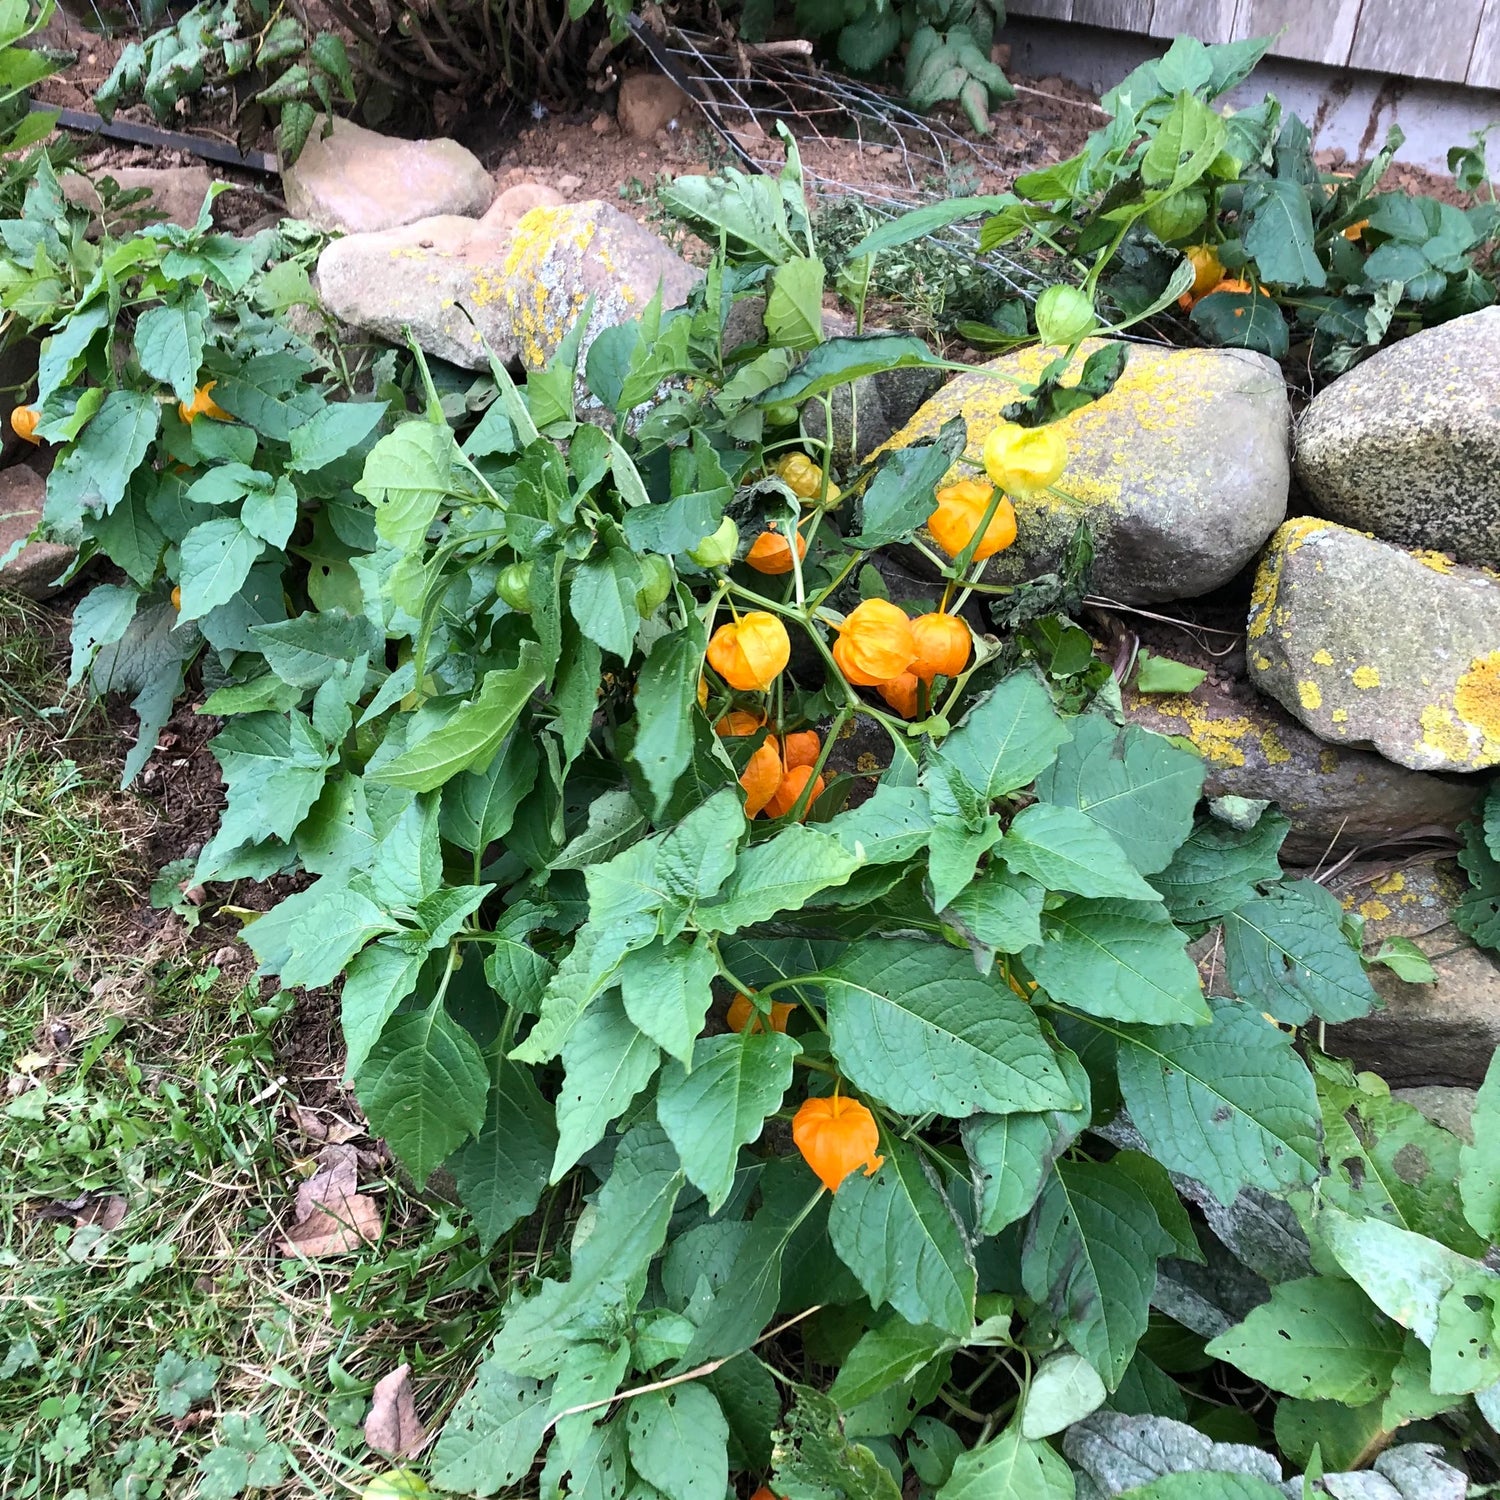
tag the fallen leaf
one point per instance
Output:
(97, 1210)
(332, 1217)
(393, 1427)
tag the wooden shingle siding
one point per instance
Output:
(1455, 41)
(1314, 32)
(1484, 66)
(1208, 20)
(1422, 38)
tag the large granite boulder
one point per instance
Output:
(459, 283)
(1182, 470)
(1407, 444)
(1444, 1032)
(358, 182)
(1369, 644)
(1336, 798)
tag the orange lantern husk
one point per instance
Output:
(742, 1013)
(751, 652)
(784, 799)
(875, 643)
(836, 1135)
(801, 748)
(901, 693)
(960, 509)
(738, 722)
(24, 421)
(944, 646)
(761, 777)
(770, 553)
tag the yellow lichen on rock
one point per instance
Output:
(1310, 694)
(1374, 911)
(1323, 657)
(1366, 677)
(1215, 739)
(1389, 885)
(1476, 698)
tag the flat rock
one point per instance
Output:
(1447, 1105)
(358, 181)
(1407, 444)
(523, 289)
(516, 202)
(1369, 644)
(177, 193)
(648, 103)
(1445, 1032)
(1181, 471)
(1336, 798)
(32, 572)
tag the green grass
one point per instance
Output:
(176, 1353)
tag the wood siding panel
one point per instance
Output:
(1310, 33)
(1119, 15)
(1043, 10)
(1416, 38)
(1484, 66)
(1208, 20)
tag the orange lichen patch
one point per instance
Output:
(1366, 677)
(1476, 698)
(1310, 695)
(1439, 562)
(1442, 732)
(1374, 911)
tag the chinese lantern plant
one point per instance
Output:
(894, 1090)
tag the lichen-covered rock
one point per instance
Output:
(358, 181)
(31, 573)
(516, 202)
(1335, 798)
(1181, 471)
(1443, 1032)
(460, 283)
(1367, 643)
(1407, 444)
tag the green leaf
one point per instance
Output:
(309, 649)
(1318, 1338)
(954, 850)
(376, 981)
(1465, 1348)
(900, 497)
(169, 343)
(333, 431)
(1120, 959)
(1385, 1160)
(898, 1234)
(1138, 786)
(423, 1088)
(1007, 739)
(1204, 1485)
(217, 557)
(1184, 146)
(407, 476)
(1160, 674)
(271, 514)
(608, 1060)
(1288, 953)
(472, 733)
(1405, 1275)
(93, 473)
(778, 875)
(666, 989)
(1406, 961)
(1230, 1104)
(892, 1353)
(722, 1104)
(1478, 913)
(999, 910)
(1219, 868)
(842, 361)
(1064, 1390)
(602, 600)
(479, 807)
(309, 937)
(1010, 1468)
(1479, 1163)
(696, 857)
(1242, 320)
(679, 1442)
(494, 1433)
(1066, 850)
(1153, 1179)
(915, 1025)
(1278, 233)
(794, 304)
(813, 1460)
(918, 223)
(263, 391)
(665, 704)
(1090, 1254)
